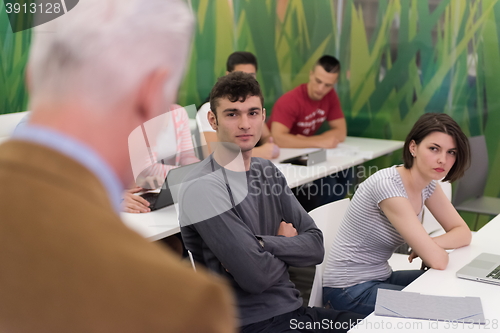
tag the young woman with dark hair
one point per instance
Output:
(386, 211)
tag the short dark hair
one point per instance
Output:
(235, 86)
(329, 63)
(240, 58)
(440, 122)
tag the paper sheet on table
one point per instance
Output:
(282, 166)
(393, 303)
(343, 150)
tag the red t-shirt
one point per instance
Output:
(301, 114)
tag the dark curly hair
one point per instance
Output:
(440, 122)
(235, 86)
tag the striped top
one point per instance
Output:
(163, 160)
(366, 239)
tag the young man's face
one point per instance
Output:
(320, 83)
(246, 68)
(239, 123)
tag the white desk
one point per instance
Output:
(337, 159)
(445, 283)
(162, 223)
(153, 225)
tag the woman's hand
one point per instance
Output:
(133, 203)
(412, 256)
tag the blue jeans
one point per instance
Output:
(361, 297)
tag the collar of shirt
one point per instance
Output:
(77, 151)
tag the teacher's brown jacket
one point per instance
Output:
(68, 263)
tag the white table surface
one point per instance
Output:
(338, 159)
(163, 222)
(445, 283)
(153, 225)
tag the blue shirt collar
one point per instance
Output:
(78, 151)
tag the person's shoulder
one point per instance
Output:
(384, 177)
(267, 169)
(201, 183)
(292, 95)
(259, 162)
(331, 99)
(199, 170)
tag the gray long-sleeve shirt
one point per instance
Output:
(225, 238)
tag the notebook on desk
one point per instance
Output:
(484, 268)
(165, 197)
(309, 159)
(403, 304)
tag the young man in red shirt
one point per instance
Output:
(297, 116)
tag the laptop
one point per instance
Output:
(309, 159)
(484, 268)
(166, 196)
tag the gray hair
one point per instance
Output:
(104, 48)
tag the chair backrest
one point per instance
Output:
(472, 184)
(431, 225)
(327, 218)
(192, 260)
(201, 136)
(8, 123)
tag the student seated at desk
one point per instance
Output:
(239, 219)
(173, 148)
(296, 118)
(245, 62)
(386, 211)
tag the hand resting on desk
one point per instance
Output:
(134, 203)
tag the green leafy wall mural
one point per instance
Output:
(400, 59)
(14, 50)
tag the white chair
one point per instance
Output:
(399, 261)
(191, 259)
(327, 218)
(8, 123)
(469, 190)
(202, 112)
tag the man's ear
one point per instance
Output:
(264, 114)
(212, 120)
(151, 100)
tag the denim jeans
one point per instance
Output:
(361, 297)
